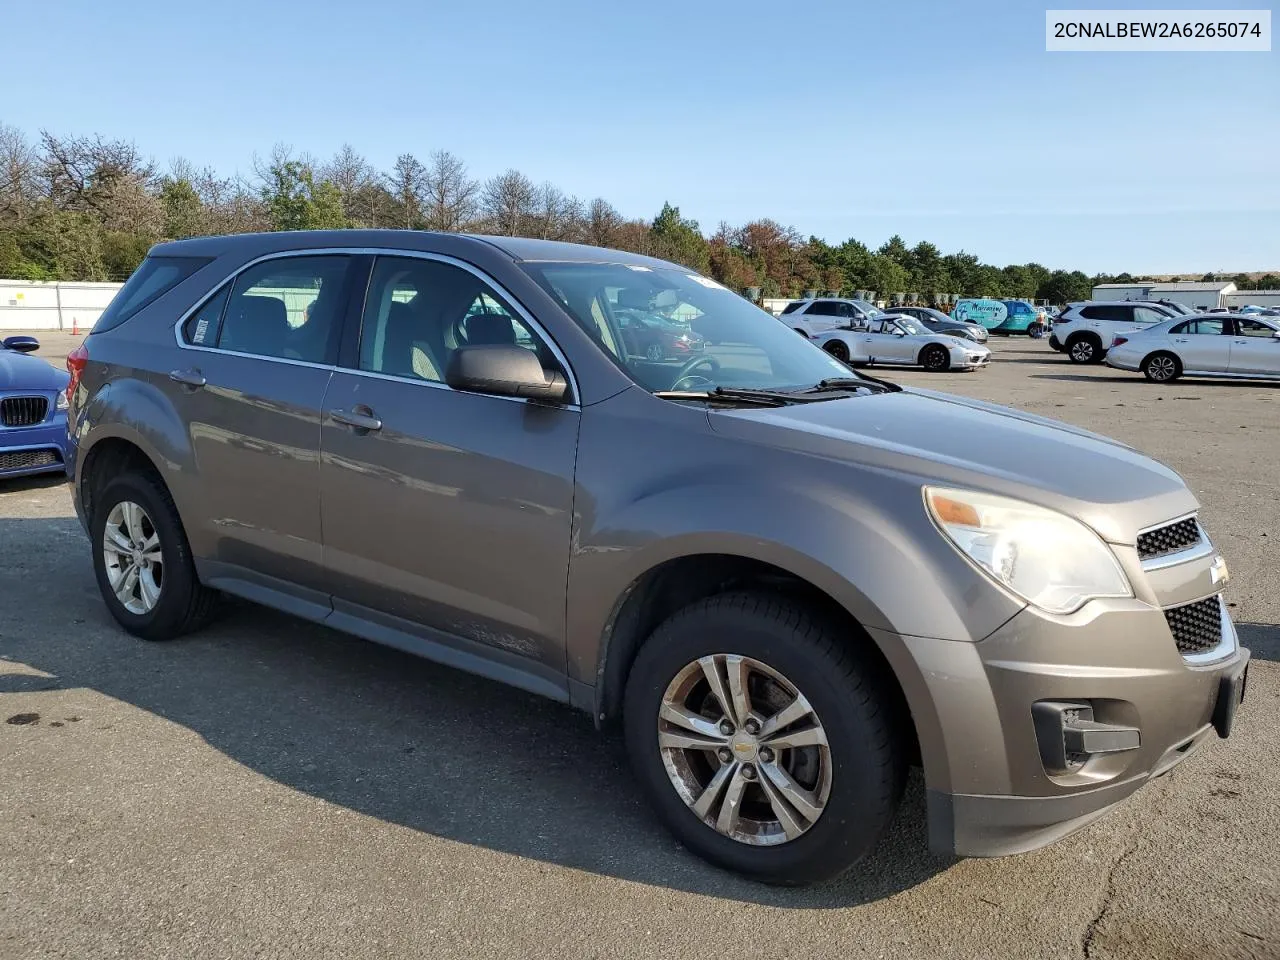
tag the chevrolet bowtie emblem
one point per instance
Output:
(1219, 570)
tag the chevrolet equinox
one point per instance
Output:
(787, 581)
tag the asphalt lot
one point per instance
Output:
(271, 788)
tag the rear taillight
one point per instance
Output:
(1119, 340)
(76, 361)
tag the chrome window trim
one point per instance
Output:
(524, 315)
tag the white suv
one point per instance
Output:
(815, 317)
(1085, 331)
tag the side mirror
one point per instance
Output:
(21, 344)
(505, 370)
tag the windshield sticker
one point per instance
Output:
(705, 281)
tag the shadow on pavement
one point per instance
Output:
(1179, 386)
(387, 734)
(1262, 639)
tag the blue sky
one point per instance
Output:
(937, 121)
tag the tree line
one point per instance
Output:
(89, 208)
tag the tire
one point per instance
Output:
(1162, 367)
(655, 352)
(865, 760)
(1084, 348)
(838, 349)
(183, 604)
(934, 358)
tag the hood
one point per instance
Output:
(955, 441)
(21, 371)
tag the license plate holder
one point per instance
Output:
(1231, 688)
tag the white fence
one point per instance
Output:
(31, 305)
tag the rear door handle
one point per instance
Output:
(360, 421)
(188, 378)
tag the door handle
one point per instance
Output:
(188, 378)
(360, 421)
(1176, 340)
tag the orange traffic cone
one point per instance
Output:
(75, 326)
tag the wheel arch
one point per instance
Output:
(679, 581)
(1165, 350)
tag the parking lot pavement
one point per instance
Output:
(271, 788)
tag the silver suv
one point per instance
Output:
(787, 582)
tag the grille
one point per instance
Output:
(1196, 627)
(23, 411)
(26, 459)
(1168, 539)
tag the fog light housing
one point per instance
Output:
(1069, 736)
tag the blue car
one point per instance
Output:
(33, 411)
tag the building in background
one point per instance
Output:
(1194, 293)
(32, 305)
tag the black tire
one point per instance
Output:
(1162, 367)
(838, 349)
(846, 690)
(184, 604)
(935, 358)
(1084, 348)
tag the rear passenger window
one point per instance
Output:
(419, 311)
(290, 308)
(1111, 312)
(201, 328)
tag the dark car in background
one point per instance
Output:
(938, 322)
(33, 404)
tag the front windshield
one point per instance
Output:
(670, 329)
(870, 309)
(911, 325)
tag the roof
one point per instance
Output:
(1123, 286)
(518, 248)
(1189, 286)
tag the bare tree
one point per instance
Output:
(508, 203)
(352, 174)
(19, 173)
(108, 179)
(449, 195)
(603, 223)
(406, 182)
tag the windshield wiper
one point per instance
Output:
(854, 383)
(720, 395)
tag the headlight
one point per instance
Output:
(62, 402)
(1050, 560)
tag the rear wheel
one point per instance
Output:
(763, 738)
(935, 357)
(1161, 367)
(143, 561)
(1084, 348)
(838, 349)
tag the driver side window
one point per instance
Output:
(418, 312)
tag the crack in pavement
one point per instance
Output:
(1109, 884)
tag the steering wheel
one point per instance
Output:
(687, 368)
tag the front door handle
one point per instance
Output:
(188, 378)
(352, 418)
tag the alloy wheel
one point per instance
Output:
(1082, 351)
(1161, 368)
(134, 561)
(744, 749)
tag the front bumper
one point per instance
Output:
(991, 791)
(26, 451)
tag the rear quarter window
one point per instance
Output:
(152, 280)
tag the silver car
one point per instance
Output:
(905, 342)
(1217, 345)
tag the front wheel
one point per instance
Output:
(143, 561)
(1161, 367)
(935, 358)
(838, 349)
(764, 738)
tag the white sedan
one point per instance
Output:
(903, 341)
(1217, 345)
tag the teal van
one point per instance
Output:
(1000, 316)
